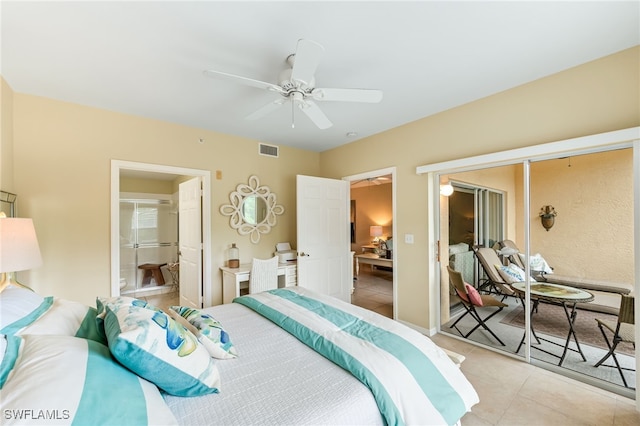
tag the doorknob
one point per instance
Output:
(304, 254)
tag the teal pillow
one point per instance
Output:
(214, 336)
(155, 347)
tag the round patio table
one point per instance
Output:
(555, 294)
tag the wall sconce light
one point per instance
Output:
(376, 232)
(548, 216)
(446, 189)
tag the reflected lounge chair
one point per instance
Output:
(472, 304)
(623, 331)
(514, 258)
(488, 259)
(598, 285)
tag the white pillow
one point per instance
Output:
(512, 273)
(67, 380)
(16, 303)
(154, 346)
(59, 317)
(3, 346)
(537, 263)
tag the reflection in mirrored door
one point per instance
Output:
(579, 264)
(473, 223)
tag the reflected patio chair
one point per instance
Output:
(488, 259)
(472, 304)
(623, 331)
(264, 275)
(513, 258)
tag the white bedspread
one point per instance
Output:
(275, 380)
(414, 382)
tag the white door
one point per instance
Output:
(324, 260)
(190, 242)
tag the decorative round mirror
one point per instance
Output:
(253, 209)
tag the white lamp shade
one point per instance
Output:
(19, 249)
(375, 231)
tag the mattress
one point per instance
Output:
(275, 380)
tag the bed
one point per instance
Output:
(266, 376)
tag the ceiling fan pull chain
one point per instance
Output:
(293, 124)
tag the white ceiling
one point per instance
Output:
(146, 58)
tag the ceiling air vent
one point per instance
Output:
(268, 150)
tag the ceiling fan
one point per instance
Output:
(297, 86)
(378, 180)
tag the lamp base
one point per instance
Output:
(9, 278)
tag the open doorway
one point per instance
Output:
(372, 242)
(128, 176)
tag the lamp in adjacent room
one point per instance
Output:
(376, 232)
(19, 250)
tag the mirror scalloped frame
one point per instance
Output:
(238, 221)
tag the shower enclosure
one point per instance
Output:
(148, 235)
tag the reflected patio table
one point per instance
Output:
(556, 294)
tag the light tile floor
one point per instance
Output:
(511, 391)
(515, 393)
(373, 290)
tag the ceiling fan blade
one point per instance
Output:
(261, 112)
(347, 95)
(244, 80)
(315, 114)
(306, 61)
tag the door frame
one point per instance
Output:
(394, 231)
(116, 167)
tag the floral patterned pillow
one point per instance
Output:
(157, 348)
(214, 337)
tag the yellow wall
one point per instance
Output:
(596, 97)
(593, 233)
(6, 137)
(62, 166)
(146, 186)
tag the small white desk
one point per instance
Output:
(232, 277)
(373, 260)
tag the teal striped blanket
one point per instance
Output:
(412, 380)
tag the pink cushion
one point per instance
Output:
(474, 296)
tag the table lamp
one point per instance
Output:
(19, 249)
(376, 232)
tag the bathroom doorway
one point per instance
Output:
(153, 178)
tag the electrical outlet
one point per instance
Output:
(408, 238)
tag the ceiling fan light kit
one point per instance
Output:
(297, 85)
